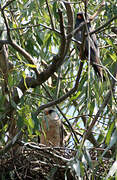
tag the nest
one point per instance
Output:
(37, 162)
(43, 163)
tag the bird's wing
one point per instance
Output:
(94, 51)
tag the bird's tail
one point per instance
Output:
(99, 71)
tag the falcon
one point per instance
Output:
(94, 50)
(52, 131)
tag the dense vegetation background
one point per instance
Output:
(40, 66)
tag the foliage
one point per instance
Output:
(43, 66)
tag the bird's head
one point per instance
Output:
(79, 18)
(51, 114)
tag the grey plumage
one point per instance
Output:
(94, 58)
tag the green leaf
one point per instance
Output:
(88, 158)
(31, 65)
(10, 80)
(55, 10)
(100, 138)
(36, 121)
(24, 76)
(76, 96)
(38, 38)
(13, 104)
(41, 2)
(31, 123)
(113, 57)
(112, 170)
(2, 110)
(2, 100)
(20, 122)
(109, 41)
(112, 142)
(108, 136)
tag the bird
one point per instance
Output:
(94, 50)
(52, 129)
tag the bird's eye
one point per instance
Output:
(50, 111)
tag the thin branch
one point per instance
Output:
(11, 143)
(106, 46)
(24, 53)
(98, 11)
(91, 116)
(69, 125)
(107, 71)
(69, 17)
(103, 26)
(76, 30)
(6, 23)
(46, 149)
(36, 25)
(57, 101)
(36, 95)
(101, 109)
(63, 41)
(86, 3)
(58, 83)
(68, 2)
(41, 78)
(91, 138)
(7, 4)
(92, 32)
(70, 23)
(51, 20)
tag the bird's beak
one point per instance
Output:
(46, 112)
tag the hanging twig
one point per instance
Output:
(51, 20)
(101, 109)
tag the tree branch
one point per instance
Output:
(103, 26)
(63, 40)
(70, 23)
(66, 95)
(42, 77)
(6, 23)
(101, 109)
(98, 11)
(76, 30)
(36, 25)
(7, 4)
(51, 20)
(69, 125)
(106, 69)
(11, 143)
(24, 53)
